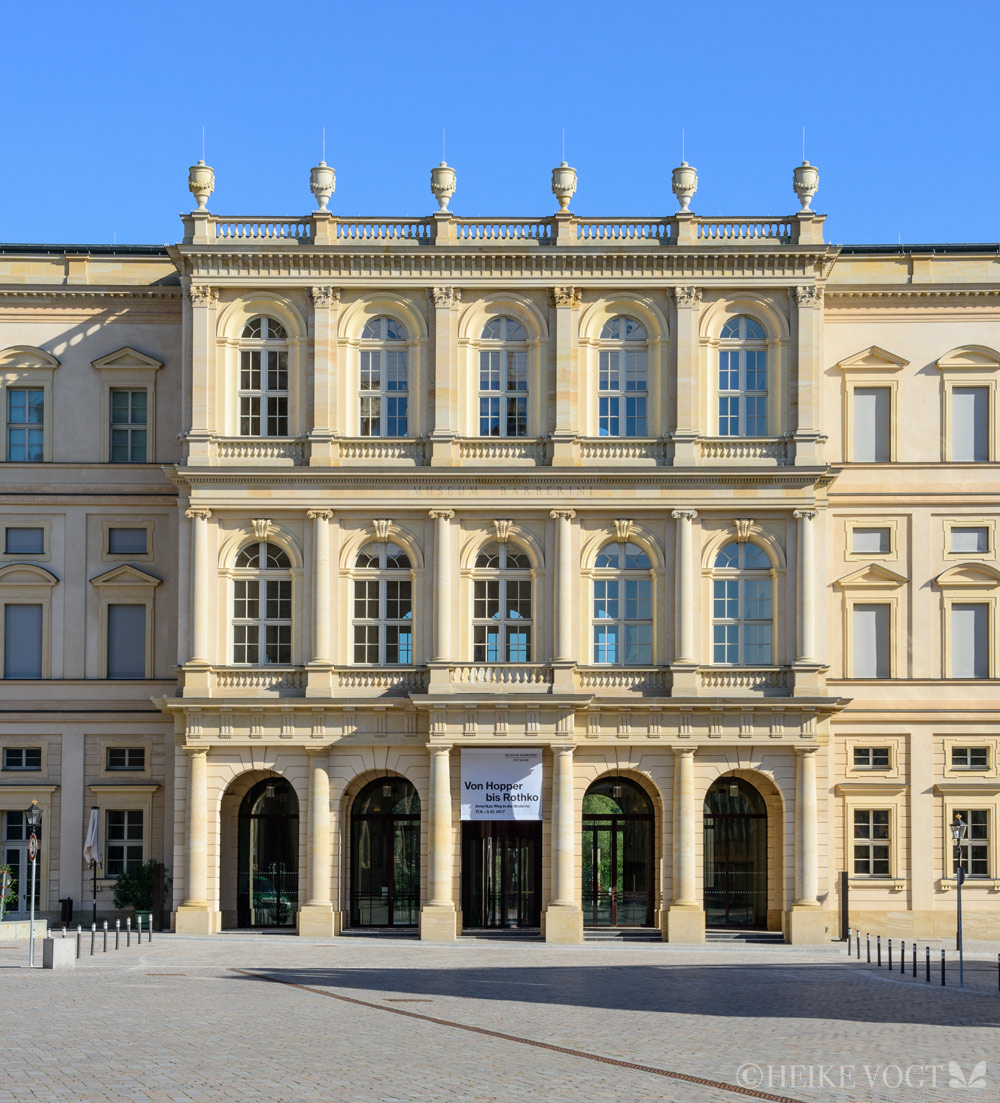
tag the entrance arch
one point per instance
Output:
(617, 854)
(267, 877)
(385, 854)
(736, 830)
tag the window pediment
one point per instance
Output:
(127, 359)
(976, 576)
(970, 357)
(26, 574)
(26, 358)
(871, 577)
(874, 359)
(125, 575)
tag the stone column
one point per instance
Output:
(563, 916)
(326, 304)
(808, 376)
(196, 668)
(566, 304)
(685, 916)
(806, 922)
(204, 370)
(806, 588)
(316, 914)
(438, 917)
(686, 585)
(196, 915)
(564, 659)
(318, 673)
(688, 303)
(441, 597)
(445, 428)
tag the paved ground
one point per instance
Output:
(239, 1019)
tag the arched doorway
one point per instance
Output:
(617, 854)
(267, 882)
(385, 855)
(735, 855)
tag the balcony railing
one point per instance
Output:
(766, 451)
(383, 450)
(767, 681)
(614, 449)
(260, 449)
(502, 675)
(384, 682)
(280, 681)
(647, 681)
(491, 449)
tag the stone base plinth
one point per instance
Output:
(316, 921)
(59, 953)
(195, 919)
(438, 923)
(805, 926)
(563, 924)
(684, 923)
(19, 929)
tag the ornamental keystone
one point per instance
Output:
(201, 182)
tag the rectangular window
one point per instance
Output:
(974, 851)
(970, 758)
(124, 842)
(25, 424)
(968, 540)
(871, 641)
(126, 641)
(872, 426)
(22, 638)
(871, 758)
(871, 842)
(970, 424)
(26, 541)
(970, 643)
(127, 541)
(128, 426)
(126, 758)
(871, 541)
(22, 758)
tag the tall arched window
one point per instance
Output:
(623, 606)
(383, 606)
(742, 607)
(262, 606)
(383, 382)
(263, 379)
(622, 379)
(501, 614)
(743, 378)
(503, 379)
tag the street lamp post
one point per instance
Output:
(34, 820)
(959, 830)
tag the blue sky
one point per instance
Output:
(103, 105)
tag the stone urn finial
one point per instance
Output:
(685, 184)
(201, 182)
(443, 184)
(805, 181)
(322, 183)
(563, 184)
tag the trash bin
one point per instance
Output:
(66, 904)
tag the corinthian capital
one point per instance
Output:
(808, 295)
(325, 296)
(566, 296)
(446, 296)
(203, 295)
(687, 296)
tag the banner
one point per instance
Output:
(501, 784)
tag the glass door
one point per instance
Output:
(385, 855)
(617, 855)
(735, 856)
(501, 875)
(267, 882)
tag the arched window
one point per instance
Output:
(502, 605)
(503, 379)
(263, 379)
(262, 606)
(622, 379)
(623, 606)
(383, 606)
(743, 378)
(383, 382)
(742, 607)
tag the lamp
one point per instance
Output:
(959, 829)
(34, 817)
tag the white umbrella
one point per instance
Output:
(93, 849)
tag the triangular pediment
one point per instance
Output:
(26, 357)
(978, 576)
(970, 357)
(125, 575)
(873, 576)
(873, 358)
(26, 574)
(127, 357)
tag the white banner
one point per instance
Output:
(501, 784)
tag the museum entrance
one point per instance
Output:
(501, 874)
(735, 856)
(617, 855)
(267, 881)
(385, 855)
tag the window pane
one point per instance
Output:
(874, 541)
(126, 541)
(871, 641)
(22, 641)
(126, 641)
(25, 541)
(871, 425)
(970, 645)
(972, 540)
(970, 424)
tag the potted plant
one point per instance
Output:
(134, 889)
(8, 890)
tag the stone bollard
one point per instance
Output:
(58, 953)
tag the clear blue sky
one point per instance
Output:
(103, 105)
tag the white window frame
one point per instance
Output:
(969, 366)
(262, 575)
(895, 745)
(266, 346)
(874, 584)
(18, 745)
(503, 574)
(380, 346)
(13, 521)
(119, 796)
(26, 584)
(124, 742)
(130, 370)
(741, 575)
(622, 575)
(27, 366)
(976, 583)
(623, 347)
(872, 367)
(741, 345)
(879, 794)
(504, 348)
(109, 523)
(381, 575)
(124, 585)
(949, 523)
(974, 739)
(890, 523)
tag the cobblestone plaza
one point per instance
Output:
(245, 1019)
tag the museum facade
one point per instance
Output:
(456, 573)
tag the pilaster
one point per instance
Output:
(684, 666)
(687, 301)
(444, 433)
(809, 366)
(564, 915)
(319, 670)
(566, 306)
(196, 915)
(323, 451)
(685, 918)
(439, 917)
(204, 369)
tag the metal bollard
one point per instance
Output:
(118, 931)
(848, 941)
(858, 946)
(105, 936)
(79, 935)
(942, 968)
(138, 920)
(998, 972)
(914, 959)
(93, 937)
(128, 931)
(890, 955)
(927, 962)
(878, 948)
(902, 956)
(64, 930)
(868, 945)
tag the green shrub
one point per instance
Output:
(134, 887)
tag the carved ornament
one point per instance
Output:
(381, 527)
(503, 530)
(566, 296)
(203, 295)
(446, 296)
(262, 527)
(687, 296)
(743, 526)
(325, 296)
(808, 295)
(623, 530)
